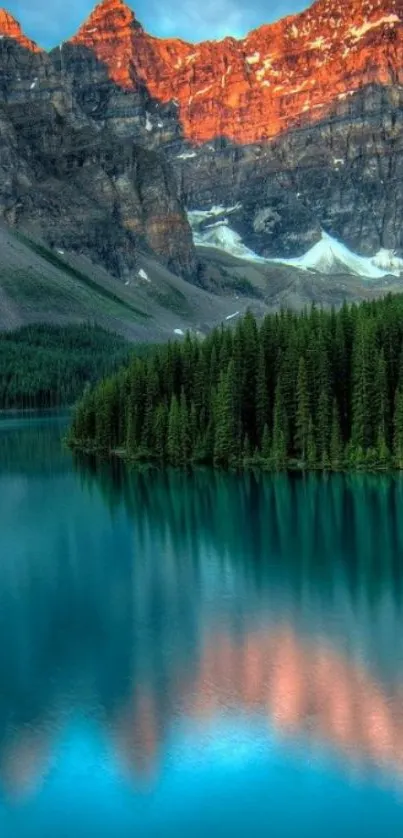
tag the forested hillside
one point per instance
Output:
(45, 366)
(322, 389)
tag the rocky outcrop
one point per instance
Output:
(10, 28)
(73, 182)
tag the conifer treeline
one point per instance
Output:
(321, 389)
(44, 366)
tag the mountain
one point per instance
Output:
(11, 28)
(282, 75)
(300, 122)
(75, 183)
(261, 169)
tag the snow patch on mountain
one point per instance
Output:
(221, 236)
(198, 217)
(329, 254)
(358, 32)
(142, 273)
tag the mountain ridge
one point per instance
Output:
(282, 74)
(103, 151)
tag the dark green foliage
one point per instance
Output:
(398, 428)
(266, 444)
(303, 415)
(50, 366)
(314, 390)
(336, 443)
(174, 440)
(279, 447)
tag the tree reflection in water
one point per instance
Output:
(158, 597)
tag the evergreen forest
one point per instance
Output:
(321, 389)
(44, 366)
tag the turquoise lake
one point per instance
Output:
(204, 654)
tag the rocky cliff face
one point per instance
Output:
(10, 28)
(294, 129)
(280, 76)
(298, 125)
(343, 175)
(75, 183)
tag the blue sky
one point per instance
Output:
(50, 21)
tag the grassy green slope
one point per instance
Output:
(39, 284)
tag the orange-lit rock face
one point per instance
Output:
(10, 28)
(279, 76)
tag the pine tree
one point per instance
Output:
(105, 433)
(380, 406)
(188, 366)
(193, 426)
(246, 448)
(248, 381)
(336, 445)
(303, 413)
(362, 435)
(262, 396)
(287, 378)
(214, 369)
(398, 428)
(152, 389)
(174, 447)
(131, 428)
(185, 436)
(279, 442)
(266, 443)
(323, 428)
(311, 457)
(160, 431)
(224, 439)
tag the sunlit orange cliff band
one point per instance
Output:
(10, 28)
(281, 75)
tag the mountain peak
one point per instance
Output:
(108, 32)
(110, 14)
(111, 5)
(11, 28)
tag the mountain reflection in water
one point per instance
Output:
(163, 608)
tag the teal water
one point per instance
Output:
(203, 654)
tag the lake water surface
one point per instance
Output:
(202, 655)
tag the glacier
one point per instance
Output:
(328, 255)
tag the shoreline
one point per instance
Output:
(253, 465)
(41, 411)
